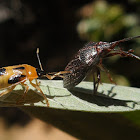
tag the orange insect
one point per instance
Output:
(11, 76)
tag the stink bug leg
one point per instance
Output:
(123, 54)
(101, 66)
(96, 82)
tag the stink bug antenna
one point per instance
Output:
(113, 44)
(37, 53)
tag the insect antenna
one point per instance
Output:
(113, 44)
(37, 53)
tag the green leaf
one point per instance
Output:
(110, 98)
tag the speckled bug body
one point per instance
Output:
(89, 58)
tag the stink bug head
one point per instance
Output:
(113, 44)
(105, 49)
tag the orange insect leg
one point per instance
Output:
(38, 88)
(7, 91)
(56, 74)
(25, 92)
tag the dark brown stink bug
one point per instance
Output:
(89, 58)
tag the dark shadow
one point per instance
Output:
(99, 98)
(31, 98)
(85, 94)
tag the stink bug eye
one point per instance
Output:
(89, 58)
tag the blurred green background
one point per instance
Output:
(61, 28)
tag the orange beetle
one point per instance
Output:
(13, 75)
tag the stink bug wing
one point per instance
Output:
(80, 65)
(78, 73)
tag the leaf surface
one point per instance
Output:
(110, 98)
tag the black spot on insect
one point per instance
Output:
(2, 71)
(40, 72)
(16, 78)
(19, 68)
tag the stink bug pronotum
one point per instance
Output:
(11, 76)
(89, 58)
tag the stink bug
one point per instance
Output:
(13, 75)
(89, 58)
